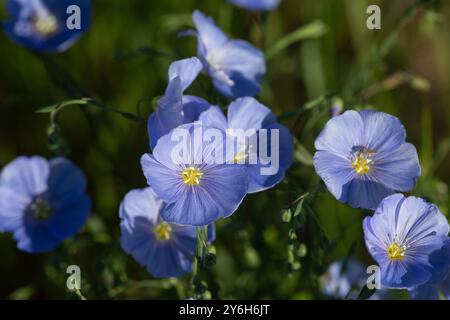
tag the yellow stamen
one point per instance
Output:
(192, 176)
(162, 231)
(396, 252)
(362, 164)
(46, 25)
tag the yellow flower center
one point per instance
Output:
(162, 231)
(362, 165)
(46, 25)
(192, 176)
(396, 252)
(362, 161)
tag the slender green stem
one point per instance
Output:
(200, 252)
(80, 295)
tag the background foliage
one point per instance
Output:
(279, 241)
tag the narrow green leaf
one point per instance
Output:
(312, 30)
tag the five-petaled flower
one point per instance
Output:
(362, 157)
(235, 66)
(198, 185)
(42, 202)
(408, 237)
(255, 128)
(165, 249)
(41, 25)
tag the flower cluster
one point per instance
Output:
(208, 176)
(364, 160)
(43, 202)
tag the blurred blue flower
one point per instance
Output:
(251, 116)
(166, 250)
(42, 202)
(433, 291)
(235, 66)
(345, 278)
(257, 5)
(198, 186)
(363, 158)
(174, 108)
(408, 238)
(43, 25)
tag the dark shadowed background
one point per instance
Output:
(402, 69)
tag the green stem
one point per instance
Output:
(200, 252)
(80, 295)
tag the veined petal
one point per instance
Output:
(398, 169)
(248, 113)
(383, 132)
(219, 194)
(341, 134)
(187, 70)
(141, 203)
(214, 118)
(243, 67)
(26, 175)
(165, 182)
(169, 114)
(335, 171)
(365, 194)
(12, 209)
(209, 34)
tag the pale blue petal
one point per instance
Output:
(341, 134)
(244, 67)
(248, 113)
(383, 132)
(209, 35)
(221, 190)
(12, 209)
(398, 169)
(26, 175)
(169, 114)
(335, 171)
(165, 182)
(187, 70)
(214, 118)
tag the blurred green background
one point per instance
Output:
(402, 69)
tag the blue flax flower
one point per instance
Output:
(257, 5)
(345, 278)
(42, 202)
(408, 238)
(47, 25)
(235, 66)
(250, 116)
(363, 158)
(174, 108)
(166, 250)
(191, 175)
